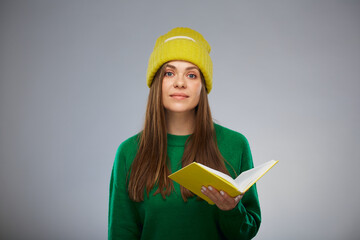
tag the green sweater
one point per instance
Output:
(172, 218)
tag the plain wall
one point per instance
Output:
(286, 75)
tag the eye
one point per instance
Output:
(168, 74)
(191, 75)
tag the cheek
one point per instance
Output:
(197, 88)
(165, 91)
(166, 84)
(164, 88)
(197, 92)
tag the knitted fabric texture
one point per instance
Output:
(181, 44)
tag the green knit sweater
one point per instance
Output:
(172, 218)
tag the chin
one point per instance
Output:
(179, 110)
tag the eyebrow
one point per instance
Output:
(188, 68)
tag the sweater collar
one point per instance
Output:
(177, 140)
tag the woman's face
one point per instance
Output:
(181, 86)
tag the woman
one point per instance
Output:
(144, 203)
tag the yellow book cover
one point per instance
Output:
(196, 175)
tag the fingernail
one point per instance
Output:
(203, 189)
(210, 188)
(222, 193)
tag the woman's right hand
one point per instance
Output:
(222, 200)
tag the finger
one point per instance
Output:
(238, 198)
(224, 201)
(210, 193)
(229, 201)
(216, 195)
(218, 199)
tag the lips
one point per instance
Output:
(179, 95)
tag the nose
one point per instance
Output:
(179, 82)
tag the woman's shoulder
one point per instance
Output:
(224, 134)
(129, 146)
(131, 141)
(224, 130)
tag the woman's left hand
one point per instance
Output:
(221, 198)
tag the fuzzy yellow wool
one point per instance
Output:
(181, 44)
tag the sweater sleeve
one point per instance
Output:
(243, 221)
(123, 219)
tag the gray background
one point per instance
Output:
(286, 75)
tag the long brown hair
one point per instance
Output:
(150, 166)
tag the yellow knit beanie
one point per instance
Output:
(181, 44)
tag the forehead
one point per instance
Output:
(181, 64)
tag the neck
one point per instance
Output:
(180, 123)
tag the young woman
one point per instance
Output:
(144, 203)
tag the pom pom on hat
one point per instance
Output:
(181, 44)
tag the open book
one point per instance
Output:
(196, 175)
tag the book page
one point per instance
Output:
(248, 178)
(220, 174)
